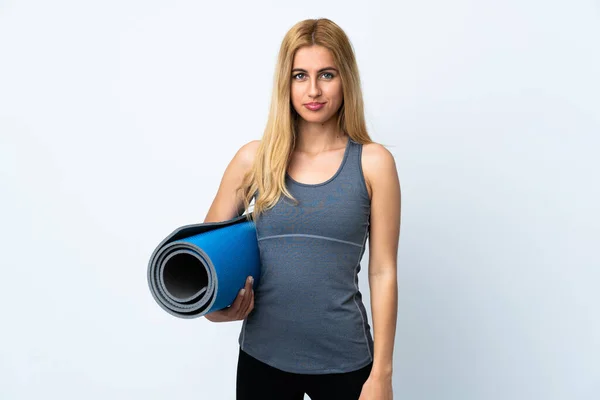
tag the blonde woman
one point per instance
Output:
(320, 187)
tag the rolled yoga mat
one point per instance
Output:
(201, 268)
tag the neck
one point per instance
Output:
(316, 137)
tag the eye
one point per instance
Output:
(328, 75)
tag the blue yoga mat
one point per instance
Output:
(200, 268)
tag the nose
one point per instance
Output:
(313, 90)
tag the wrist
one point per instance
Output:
(381, 372)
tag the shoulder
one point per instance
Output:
(378, 164)
(245, 156)
(376, 154)
(241, 162)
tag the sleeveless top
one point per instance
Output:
(308, 314)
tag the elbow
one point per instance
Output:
(386, 271)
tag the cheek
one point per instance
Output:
(295, 94)
(335, 90)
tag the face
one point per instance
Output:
(315, 79)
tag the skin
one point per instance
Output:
(319, 151)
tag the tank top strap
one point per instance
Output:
(352, 172)
(352, 166)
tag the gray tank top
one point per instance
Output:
(308, 314)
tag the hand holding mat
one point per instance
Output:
(239, 309)
(200, 268)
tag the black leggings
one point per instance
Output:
(259, 381)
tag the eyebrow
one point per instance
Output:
(321, 70)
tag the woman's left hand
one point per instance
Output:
(376, 388)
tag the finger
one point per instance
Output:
(249, 283)
(251, 307)
(242, 310)
(237, 303)
(246, 301)
(250, 304)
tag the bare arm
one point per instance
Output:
(382, 179)
(226, 205)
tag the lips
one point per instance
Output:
(314, 106)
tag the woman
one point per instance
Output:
(320, 187)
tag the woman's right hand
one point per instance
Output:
(241, 307)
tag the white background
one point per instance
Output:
(117, 119)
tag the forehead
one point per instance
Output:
(313, 57)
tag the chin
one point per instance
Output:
(316, 118)
(313, 118)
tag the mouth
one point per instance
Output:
(314, 106)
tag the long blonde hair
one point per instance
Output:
(266, 179)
